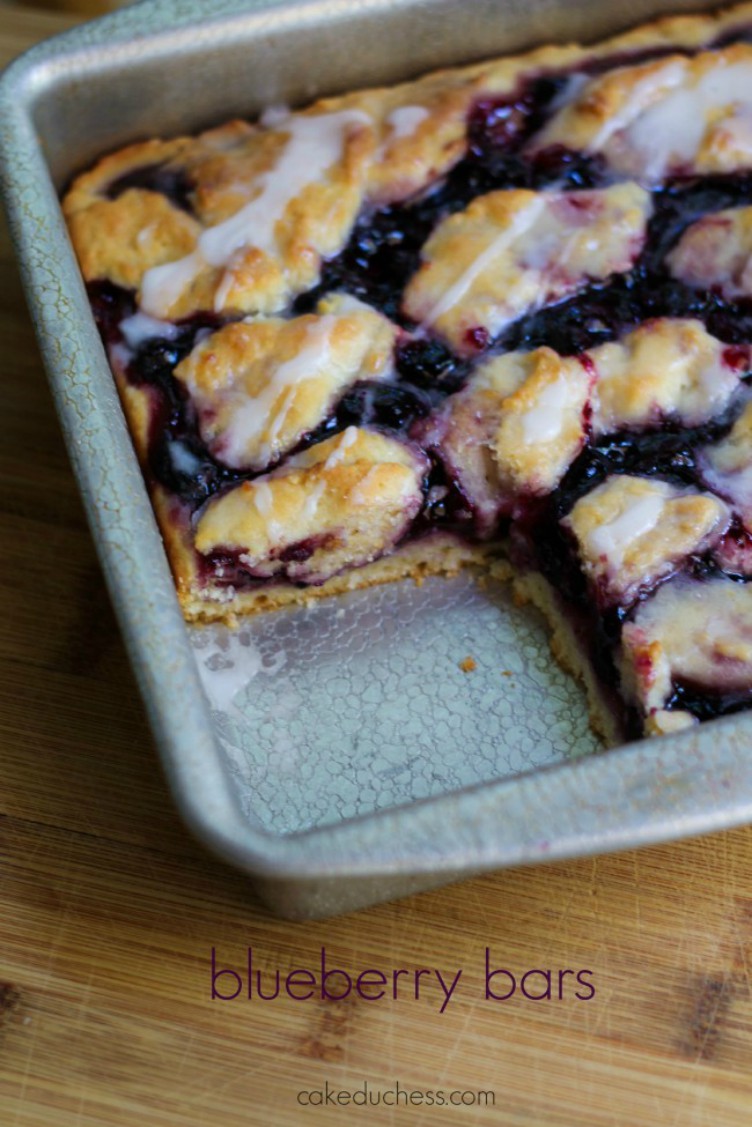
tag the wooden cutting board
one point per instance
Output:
(109, 912)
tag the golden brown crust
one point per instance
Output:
(120, 239)
(138, 402)
(571, 653)
(439, 554)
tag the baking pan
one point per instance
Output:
(348, 752)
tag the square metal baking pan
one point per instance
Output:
(338, 754)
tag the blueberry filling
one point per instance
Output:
(177, 457)
(386, 406)
(226, 568)
(445, 505)
(606, 310)
(174, 183)
(429, 365)
(110, 305)
(741, 34)
(705, 703)
(669, 454)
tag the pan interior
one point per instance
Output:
(385, 696)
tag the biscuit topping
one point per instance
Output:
(668, 369)
(260, 385)
(694, 634)
(340, 504)
(716, 253)
(726, 468)
(510, 252)
(674, 116)
(514, 429)
(314, 145)
(631, 532)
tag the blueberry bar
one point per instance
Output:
(499, 316)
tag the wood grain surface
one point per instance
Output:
(109, 911)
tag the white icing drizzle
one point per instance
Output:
(314, 145)
(161, 286)
(644, 92)
(569, 92)
(313, 499)
(264, 498)
(715, 383)
(145, 234)
(670, 132)
(277, 423)
(182, 459)
(274, 117)
(359, 495)
(612, 540)
(223, 290)
(402, 122)
(537, 256)
(120, 355)
(253, 414)
(521, 223)
(140, 327)
(349, 436)
(543, 422)
(405, 120)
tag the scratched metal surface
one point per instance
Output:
(361, 703)
(395, 825)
